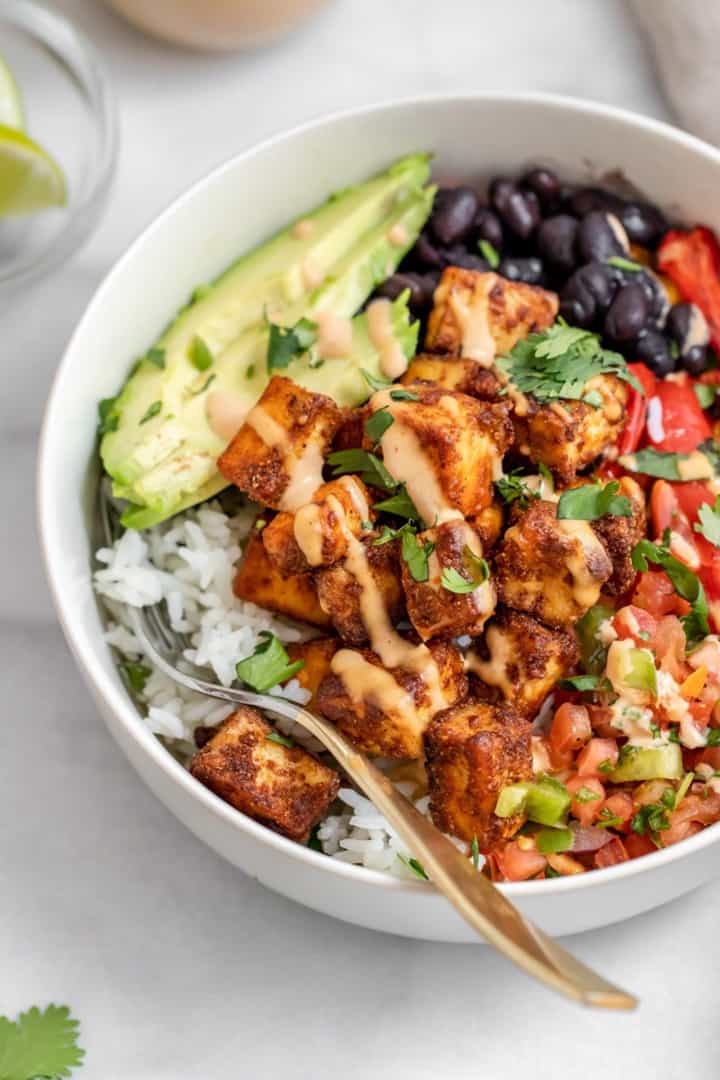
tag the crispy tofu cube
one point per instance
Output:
(620, 535)
(488, 525)
(567, 436)
(278, 454)
(446, 447)
(340, 593)
(385, 711)
(472, 752)
(317, 656)
(260, 582)
(317, 535)
(522, 660)
(548, 568)
(474, 310)
(434, 610)
(283, 787)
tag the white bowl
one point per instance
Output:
(234, 208)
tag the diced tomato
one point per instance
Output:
(668, 644)
(694, 812)
(611, 854)
(570, 729)
(601, 721)
(684, 424)
(594, 754)
(709, 755)
(636, 409)
(692, 261)
(636, 845)
(655, 593)
(514, 864)
(587, 809)
(618, 805)
(634, 622)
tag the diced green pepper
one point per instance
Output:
(512, 799)
(553, 841)
(641, 673)
(546, 801)
(648, 763)
(593, 652)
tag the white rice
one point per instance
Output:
(190, 563)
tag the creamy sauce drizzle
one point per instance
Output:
(368, 682)
(586, 588)
(225, 412)
(308, 532)
(474, 322)
(335, 336)
(304, 472)
(494, 671)
(393, 362)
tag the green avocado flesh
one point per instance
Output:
(158, 446)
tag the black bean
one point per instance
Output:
(544, 183)
(466, 260)
(654, 290)
(556, 241)
(600, 236)
(500, 191)
(521, 213)
(601, 281)
(627, 314)
(577, 304)
(453, 214)
(420, 296)
(583, 201)
(529, 270)
(686, 324)
(488, 227)
(426, 254)
(643, 222)
(652, 348)
(695, 360)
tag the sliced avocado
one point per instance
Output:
(157, 444)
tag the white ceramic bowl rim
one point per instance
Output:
(86, 649)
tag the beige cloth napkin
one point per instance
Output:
(685, 38)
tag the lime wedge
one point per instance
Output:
(30, 179)
(11, 107)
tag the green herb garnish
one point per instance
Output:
(201, 389)
(661, 463)
(489, 253)
(415, 555)
(684, 581)
(152, 410)
(414, 865)
(377, 424)
(108, 420)
(156, 356)
(713, 737)
(403, 395)
(708, 524)
(136, 675)
(367, 466)
(400, 504)
(607, 820)
(452, 580)
(287, 342)
(585, 795)
(653, 818)
(39, 1044)
(200, 355)
(705, 393)
(559, 363)
(475, 851)
(625, 264)
(592, 501)
(512, 488)
(375, 382)
(585, 682)
(281, 740)
(268, 665)
(249, 371)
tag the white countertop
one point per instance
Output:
(178, 965)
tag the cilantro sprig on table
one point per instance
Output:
(559, 362)
(39, 1044)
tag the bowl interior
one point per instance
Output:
(239, 205)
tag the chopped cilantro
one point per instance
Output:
(268, 665)
(281, 740)
(475, 852)
(400, 504)
(512, 488)
(705, 394)
(684, 581)
(136, 675)
(108, 420)
(559, 363)
(489, 253)
(152, 410)
(415, 554)
(713, 737)
(624, 264)
(413, 865)
(156, 356)
(606, 766)
(287, 342)
(585, 795)
(249, 371)
(594, 398)
(377, 424)
(708, 524)
(607, 820)
(200, 355)
(375, 382)
(592, 501)
(369, 468)
(649, 462)
(585, 682)
(201, 389)
(474, 565)
(652, 817)
(403, 395)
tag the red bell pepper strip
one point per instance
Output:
(636, 409)
(684, 424)
(692, 262)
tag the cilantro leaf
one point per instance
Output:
(403, 395)
(685, 582)
(512, 488)
(559, 363)
(592, 501)
(281, 740)
(661, 463)
(585, 795)
(200, 355)
(369, 468)
(416, 554)
(452, 580)
(705, 394)
(400, 504)
(40, 1044)
(201, 389)
(152, 410)
(155, 356)
(287, 342)
(136, 675)
(624, 264)
(377, 424)
(375, 382)
(708, 524)
(108, 419)
(489, 253)
(585, 682)
(652, 817)
(268, 665)
(414, 865)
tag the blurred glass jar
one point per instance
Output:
(217, 24)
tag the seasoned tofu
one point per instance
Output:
(340, 592)
(451, 373)
(446, 447)
(488, 525)
(260, 582)
(620, 535)
(480, 315)
(548, 568)
(317, 534)
(567, 436)
(385, 711)
(283, 787)
(317, 656)
(521, 660)
(278, 454)
(437, 612)
(472, 752)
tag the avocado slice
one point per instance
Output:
(157, 444)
